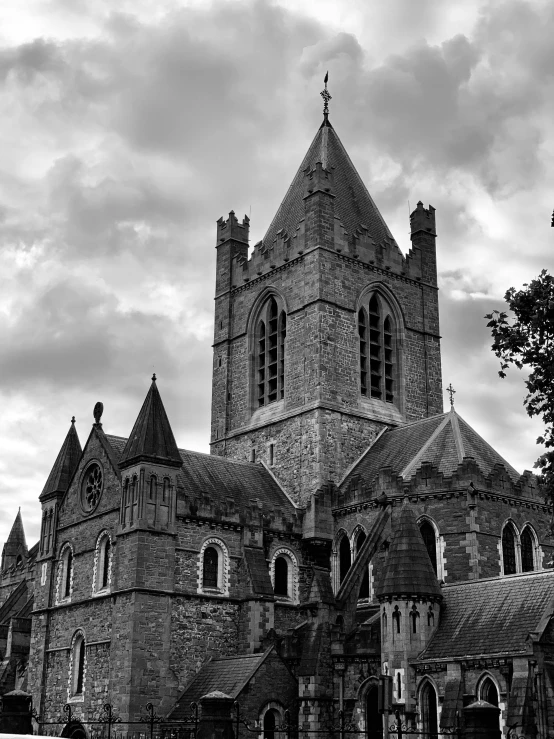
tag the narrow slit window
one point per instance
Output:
(509, 550)
(68, 573)
(106, 563)
(375, 349)
(527, 546)
(429, 539)
(362, 330)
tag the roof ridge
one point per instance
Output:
(458, 441)
(506, 464)
(500, 578)
(410, 466)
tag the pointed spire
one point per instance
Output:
(408, 570)
(65, 464)
(152, 438)
(17, 534)
(15, 545)
(354, 206)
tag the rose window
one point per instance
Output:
(92, 487)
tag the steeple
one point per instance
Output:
(408, 570)
(15, 545)
(354, 206)
(64, 466)
(151, 438)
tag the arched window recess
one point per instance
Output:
(268, 340)
(379, 348)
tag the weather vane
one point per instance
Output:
(450, 390)
(326, 96)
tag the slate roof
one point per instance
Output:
(492, 616)
(408, 569)
(151, 437)
(257, 567)
(442, 440)
(226, 674)
(220, 478)
(16, 538)
(65, 464)
(353, 203)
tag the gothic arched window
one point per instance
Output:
(488, 692)
(377, 350)
(509, 550)
(271, 331)
(213, 567)
(428, 710)
(345, 557)
(102, 563)
(429, 539)
(364, 593)
(527, 550)
(78, 656)
(65, 581)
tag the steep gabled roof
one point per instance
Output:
(16, 540)
(151, 438)
(65, 464)
(443, 440)
(493, 616)
(219, 478)
(408, 569)
(228, 675)
(353, 203)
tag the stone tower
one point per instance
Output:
(326, 334)
(409, 597)
(146, 557)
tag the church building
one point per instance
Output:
(344, 526)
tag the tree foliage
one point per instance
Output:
(527, 340)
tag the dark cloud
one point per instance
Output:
(126, 143)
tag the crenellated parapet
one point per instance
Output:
(231, 229)
(429, 480)
(359, 245)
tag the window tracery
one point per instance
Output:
(377, 349)
(271, 331)
(91, 487)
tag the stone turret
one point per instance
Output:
(55, 488)
(409, 595)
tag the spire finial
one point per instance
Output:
(154, 377)
(97, 413)
(326, 97)
(450, 390)
(73, 420)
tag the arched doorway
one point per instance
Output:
(270, 724)
(74, 730)
(429, 718)
(373, 719)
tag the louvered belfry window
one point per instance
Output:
(270, 353)
(376, 335)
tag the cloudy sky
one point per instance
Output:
(126, 133)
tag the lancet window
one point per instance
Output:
(527, 550)
(509, 550)
(377, 350)
(271, 331)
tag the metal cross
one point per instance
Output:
(450, 390)
(326, 97)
